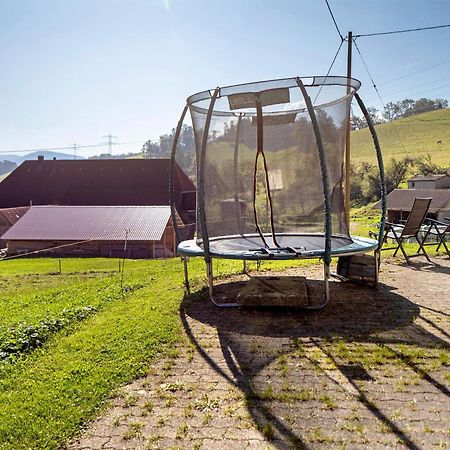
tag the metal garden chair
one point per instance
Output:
(410, 229)
(440, 230)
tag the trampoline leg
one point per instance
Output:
(209, 274)
(326, 269)
(244, 266)
(377, 256)
(326, 278)
(186, 274)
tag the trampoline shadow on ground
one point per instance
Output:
(255, 342)
(426, 266)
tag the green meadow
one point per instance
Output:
(415, 136)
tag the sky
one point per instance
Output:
(74, 71)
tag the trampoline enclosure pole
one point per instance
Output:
(326, 190)
(201, 179)
(376, 144)
(171, 175)
(237, 204)
(324, 171)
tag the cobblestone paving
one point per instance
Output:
(371, 370)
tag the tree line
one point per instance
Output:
(397, 110)
(364, 178)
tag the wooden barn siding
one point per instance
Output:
(163, 248)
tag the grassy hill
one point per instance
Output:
(412, 136)
(4, 175)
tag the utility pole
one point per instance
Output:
(110, 142)
(74, 150)
(347, 138)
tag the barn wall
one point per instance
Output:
(107, 249)
(443, 183)
(422, 184)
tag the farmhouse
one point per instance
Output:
(441, 181)
(400, 201)
(137, 182)
(107, 231)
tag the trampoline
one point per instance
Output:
(270, 173)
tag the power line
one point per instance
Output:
(376, 90)
(422, 92)
(110, 142)
(402, 31)
(415, 72)
(368, 73)
(329, 70)
(417, 93)
(70, 147)
(334, 21)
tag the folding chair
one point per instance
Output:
(440, 230)
(410, 229)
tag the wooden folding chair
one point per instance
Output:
(439, 230)
(410, 229)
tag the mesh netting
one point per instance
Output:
(260, 162)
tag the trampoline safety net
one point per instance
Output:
(259, 165)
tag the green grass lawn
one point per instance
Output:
(68, 339)
(94, 338)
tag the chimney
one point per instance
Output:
(54, 158)
(40, 157)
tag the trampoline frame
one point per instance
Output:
(201, 217)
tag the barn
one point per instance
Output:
(440, 181)
(110, 182)
(102, 231)
(400, 201)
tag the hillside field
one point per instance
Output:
(413, 136)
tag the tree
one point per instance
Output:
(409, 107)
(356, 123)
(374, 115)
(427, 167)
(391, 111)
(365, 179)
(151, 149)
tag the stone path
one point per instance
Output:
(371, 370)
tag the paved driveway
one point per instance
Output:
(372, 370)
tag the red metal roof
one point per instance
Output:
(79, 223)
(93, 182)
